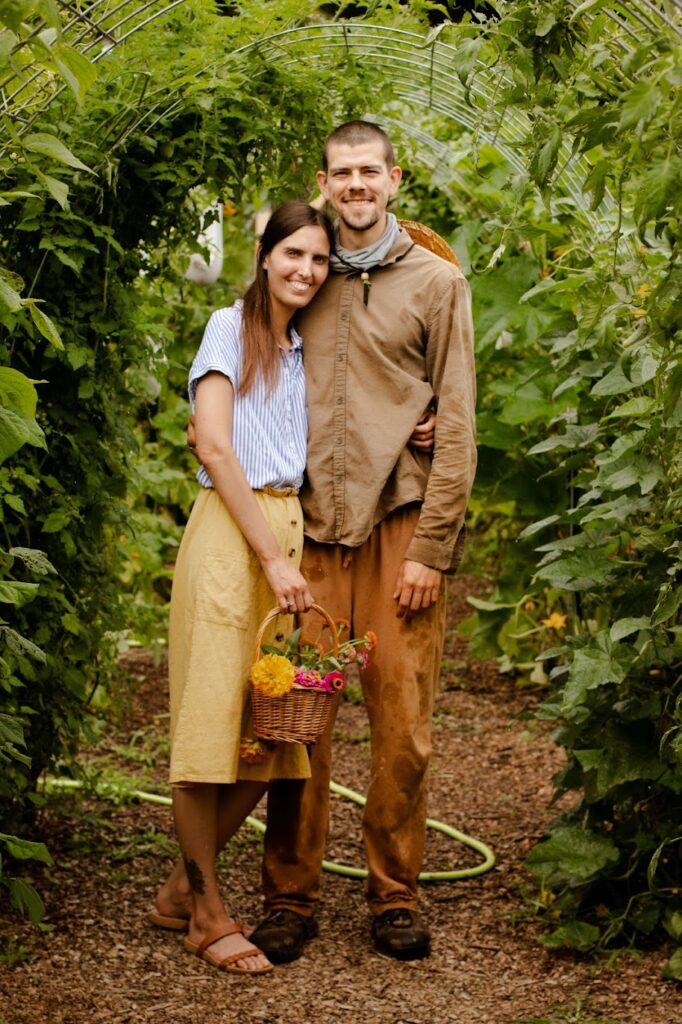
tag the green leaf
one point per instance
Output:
(673, 924)
(641, 471)
(585, 7)
(614, 383)
(595, 182)
(10, 298)
(57, 189)
(14, 502)
(578, 570)
(22, 647)
(545, 159)
(22, 849)
(26, 900)
(534, 528)
(629, 754)
(77, 71)
(626, 627)
(673, 968)
(56, 520)
(49, 11)
(659, 186)
(47, 144)
(639, 406)
(571, 856)
(653, 863)
(465, 56)
(72, 623)
(575, 437)
(11, 731)
(18, 400)
(36, 561)
(639, 104)
(644, 368)
(591, 668)
(17, 593)
(9, 197)
(669, 600)
(45, 326)
(14, 12)
(546, 22)
(574, 935)
(17, 430)
(490, 606)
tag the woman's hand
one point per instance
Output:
(289, 586)
(422, 437)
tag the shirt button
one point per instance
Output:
(340, 357)
(339, 440)
(339, 401)
(292, 552)
(294, 523)
(344, 316)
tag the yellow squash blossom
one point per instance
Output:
(555, 621)
(273, 674)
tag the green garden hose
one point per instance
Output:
(346, 870)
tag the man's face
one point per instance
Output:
(358, 184)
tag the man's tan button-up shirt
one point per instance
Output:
(371, 372)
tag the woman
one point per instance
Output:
(239, 556)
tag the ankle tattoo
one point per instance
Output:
(194, 876)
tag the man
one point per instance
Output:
(388, 336)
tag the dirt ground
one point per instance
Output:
(101, 963)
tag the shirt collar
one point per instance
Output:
(400, 249)
(296, 339)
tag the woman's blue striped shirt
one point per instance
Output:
(269, 431)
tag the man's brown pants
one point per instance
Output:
(399, 687)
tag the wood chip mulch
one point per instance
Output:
(101, 963)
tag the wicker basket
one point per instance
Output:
(299, 716)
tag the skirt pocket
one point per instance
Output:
(225, 590)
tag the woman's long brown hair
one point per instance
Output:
(261, 356)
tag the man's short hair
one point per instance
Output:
(354, 133)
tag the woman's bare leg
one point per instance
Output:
(235, 803)
(195, 810)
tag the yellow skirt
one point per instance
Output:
(220, 596)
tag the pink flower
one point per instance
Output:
(334, 682)
(308, 677)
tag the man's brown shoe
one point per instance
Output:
(402, 934)
(282, 934)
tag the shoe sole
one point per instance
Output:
(413, 953)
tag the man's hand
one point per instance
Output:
(417, 587)
(423, 435)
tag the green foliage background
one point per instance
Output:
(577, 504)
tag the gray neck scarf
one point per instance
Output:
(355, 261)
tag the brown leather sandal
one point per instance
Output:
(227, 963)
(171, 924)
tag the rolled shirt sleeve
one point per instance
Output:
(438, 538)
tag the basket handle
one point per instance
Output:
(275, 612)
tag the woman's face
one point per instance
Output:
(297, 267)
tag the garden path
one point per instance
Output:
(102, 964)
